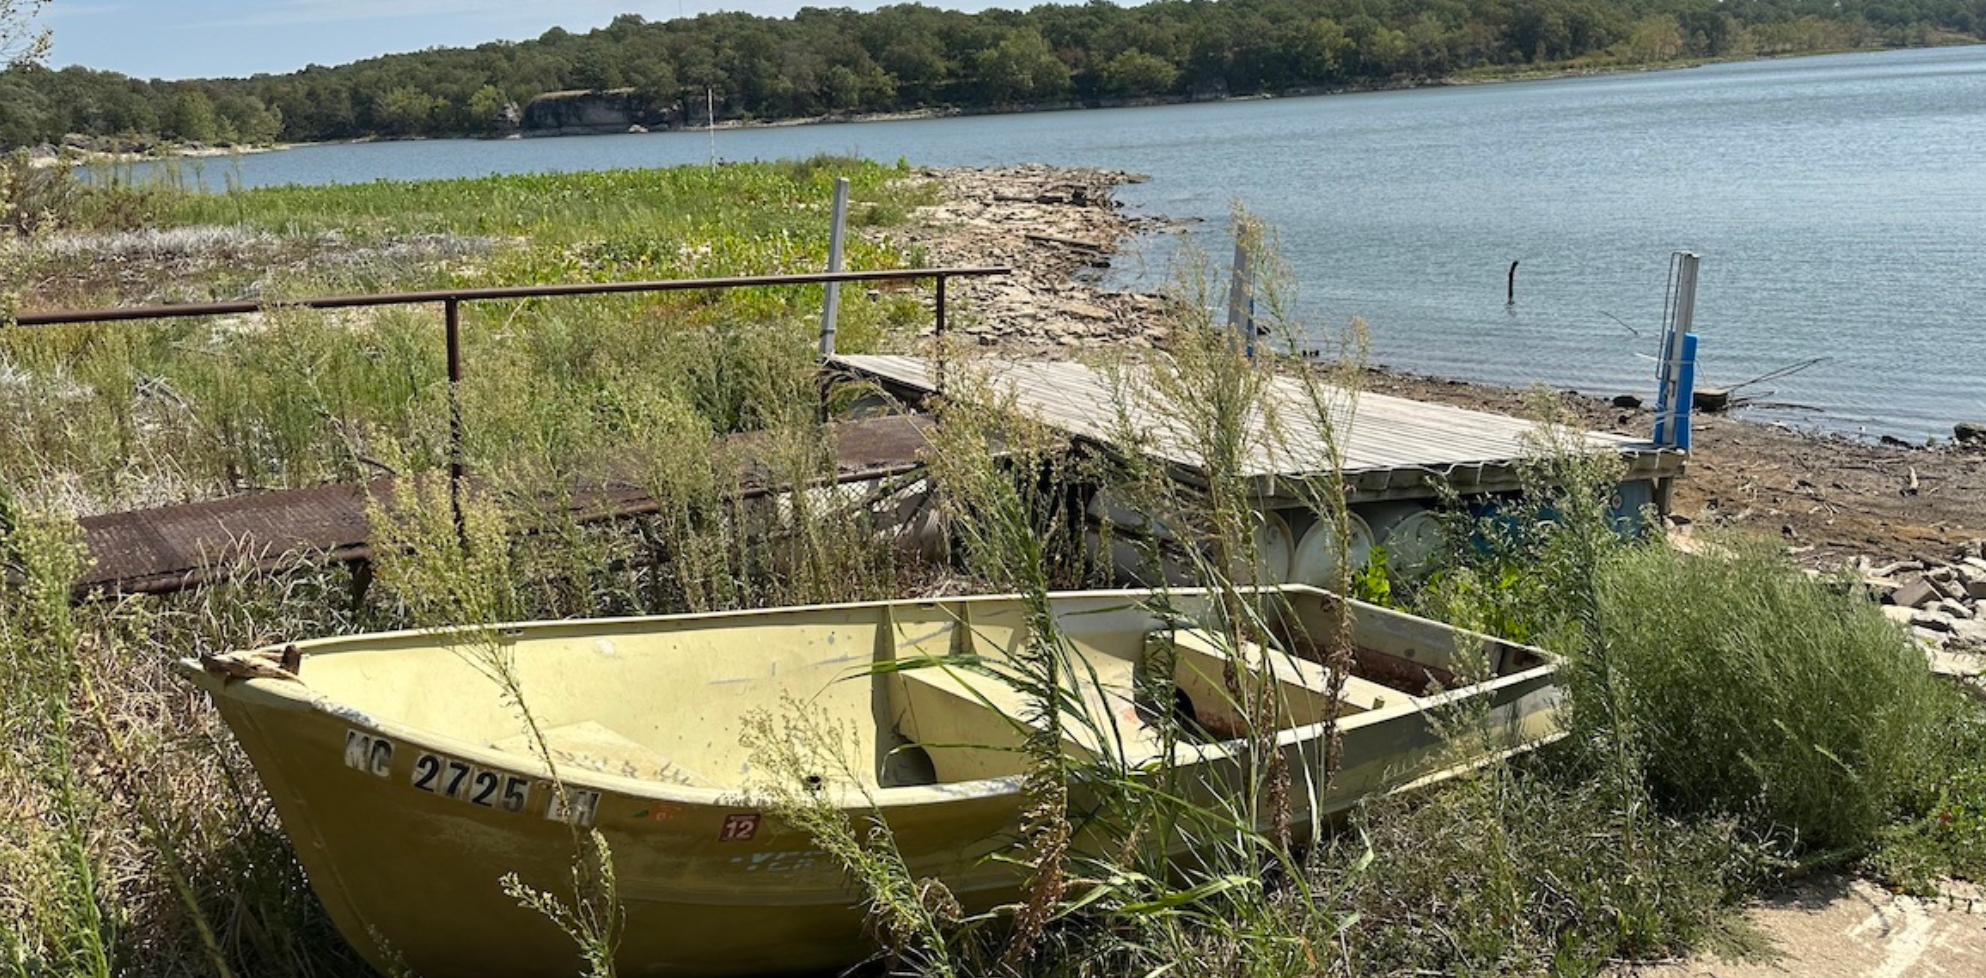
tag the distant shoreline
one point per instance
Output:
(48, 156)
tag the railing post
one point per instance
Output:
(831, 299)
(452, 319)
(1241, 299)
(938, 331)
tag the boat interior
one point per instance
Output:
(932, 689)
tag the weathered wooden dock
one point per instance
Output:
(1393, 448)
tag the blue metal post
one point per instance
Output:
(1685, 391)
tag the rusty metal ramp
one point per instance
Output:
(166, 549)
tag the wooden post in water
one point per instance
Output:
(1510, 287)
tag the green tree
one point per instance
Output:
(404, 111)
(192, 118)
(1322, 56)
(486, 109)
(1133, 72)
(1657, 38)
(592, 69)
(242, 117)
(1022, 68)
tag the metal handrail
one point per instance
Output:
(189, 309)
(452, 299)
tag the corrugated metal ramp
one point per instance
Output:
(174, 547)
(1393, 447)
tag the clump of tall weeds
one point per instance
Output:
(56, 892)
(807, 779)
(996, 478)
(132, 850)
(446, 553)
(1111, 894)
(1760, 693)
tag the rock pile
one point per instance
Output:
(1058, 229)
(1943, 603)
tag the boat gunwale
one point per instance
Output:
(297, 694)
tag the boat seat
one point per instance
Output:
(974, 726)
(1304, 686)
(595, 747)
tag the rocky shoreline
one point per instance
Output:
(1058, 229)
(1833, 502)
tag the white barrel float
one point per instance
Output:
(1411, 534)
(1316, 560)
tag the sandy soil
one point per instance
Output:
(1828, 498)
(1840, 927)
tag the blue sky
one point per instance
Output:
(229, 38)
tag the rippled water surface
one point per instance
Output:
(1839, 204)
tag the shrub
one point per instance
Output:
(1757, 691)
(1524, 870)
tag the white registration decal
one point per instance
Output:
(438, 774)
(585, 807)
(365, 752)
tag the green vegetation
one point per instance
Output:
(1729, 717)
(911, 56)
(133, 412)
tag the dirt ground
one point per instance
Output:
(1842, 927)
(1828, 498)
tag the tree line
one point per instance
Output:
(910, 56)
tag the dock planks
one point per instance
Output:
(1393, 447)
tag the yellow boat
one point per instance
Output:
(408, 784)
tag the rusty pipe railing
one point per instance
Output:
(451, 303)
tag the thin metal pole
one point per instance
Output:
(452, 317)
(831, 302)
(938, 329)
(1681, 314)
(1241, 299)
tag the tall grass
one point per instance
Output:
(138, 841)
(56, 878)
(134, 414)
(1717, 689)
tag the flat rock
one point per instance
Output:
(1958, 665)
(1916, 594)
(1931, 621)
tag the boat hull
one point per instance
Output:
(407, 835)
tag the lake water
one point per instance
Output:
(1838, 203)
